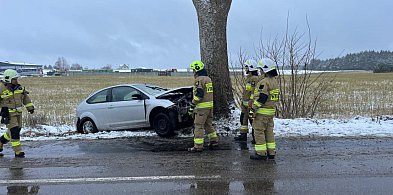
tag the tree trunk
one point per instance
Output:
(212, 20)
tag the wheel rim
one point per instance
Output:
(88, 127)
(162, 124)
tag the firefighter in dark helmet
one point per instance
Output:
(202, 108)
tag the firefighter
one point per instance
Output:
(202, 107)
(12, 100)
(252, 79)
(264, 106)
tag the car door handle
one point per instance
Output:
(110, 107)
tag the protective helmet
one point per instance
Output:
(197, 65)
(267, 65)
(10, 74)
(250, 65)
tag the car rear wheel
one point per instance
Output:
(163, 125)
(88, 126)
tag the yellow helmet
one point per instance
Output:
(10, 74)
(197, 65)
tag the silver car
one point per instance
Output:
(135, 106)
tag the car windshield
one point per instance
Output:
(150, 89)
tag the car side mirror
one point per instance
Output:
(137, 97)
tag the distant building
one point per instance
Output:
(142, 69)
(23, 69)
(124, 67)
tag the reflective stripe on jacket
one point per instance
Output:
(204, 83)
(268, 86)
(15, 99)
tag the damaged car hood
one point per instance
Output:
(183, 90)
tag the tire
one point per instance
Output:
(88, 126)
(163, 125)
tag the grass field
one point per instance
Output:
(56, 98)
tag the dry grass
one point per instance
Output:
(364, 94)
(56, 98)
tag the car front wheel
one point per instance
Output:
(88, 126)
(163, 125)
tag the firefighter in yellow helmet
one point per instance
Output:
(202, 107)
(266, 96)
(13, 99)
(252, 79)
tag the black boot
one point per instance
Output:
(258, 157)
(20, 155)
(194, 150)
(271, 157)
(241, 138)
(213, 145)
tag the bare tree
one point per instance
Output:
(107, 67)
(239, 78)
(76, 66)
(301, 89)
(212, 20)
(61, 64)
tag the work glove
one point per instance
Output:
(252, 113)
(5, 120)
(191, 109)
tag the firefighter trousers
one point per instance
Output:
(244, 119)
(13, 132)
(204, 122)
(264, 135)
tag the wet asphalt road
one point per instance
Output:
(154, 165)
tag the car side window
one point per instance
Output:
(124, 94)
(99, 97)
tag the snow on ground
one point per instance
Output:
(355, 127)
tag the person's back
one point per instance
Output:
(203, 103)
(266, 97)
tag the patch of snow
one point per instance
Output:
(355, 127)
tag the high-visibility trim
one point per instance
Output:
(248, 87)
(5, 96)
(209, 87)
(274, 94)
(267, 111)
(257, 104)
(29, 105)
(260, 147)
(18, 91)
(6, 136)
(205, 105)
(245, 103)
(196, 98)
(212, 135)
(251, 96)
(271, 145)
(15, 143)
(13, 110)
(198, 140)
(243, 127)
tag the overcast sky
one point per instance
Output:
(164, 33)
